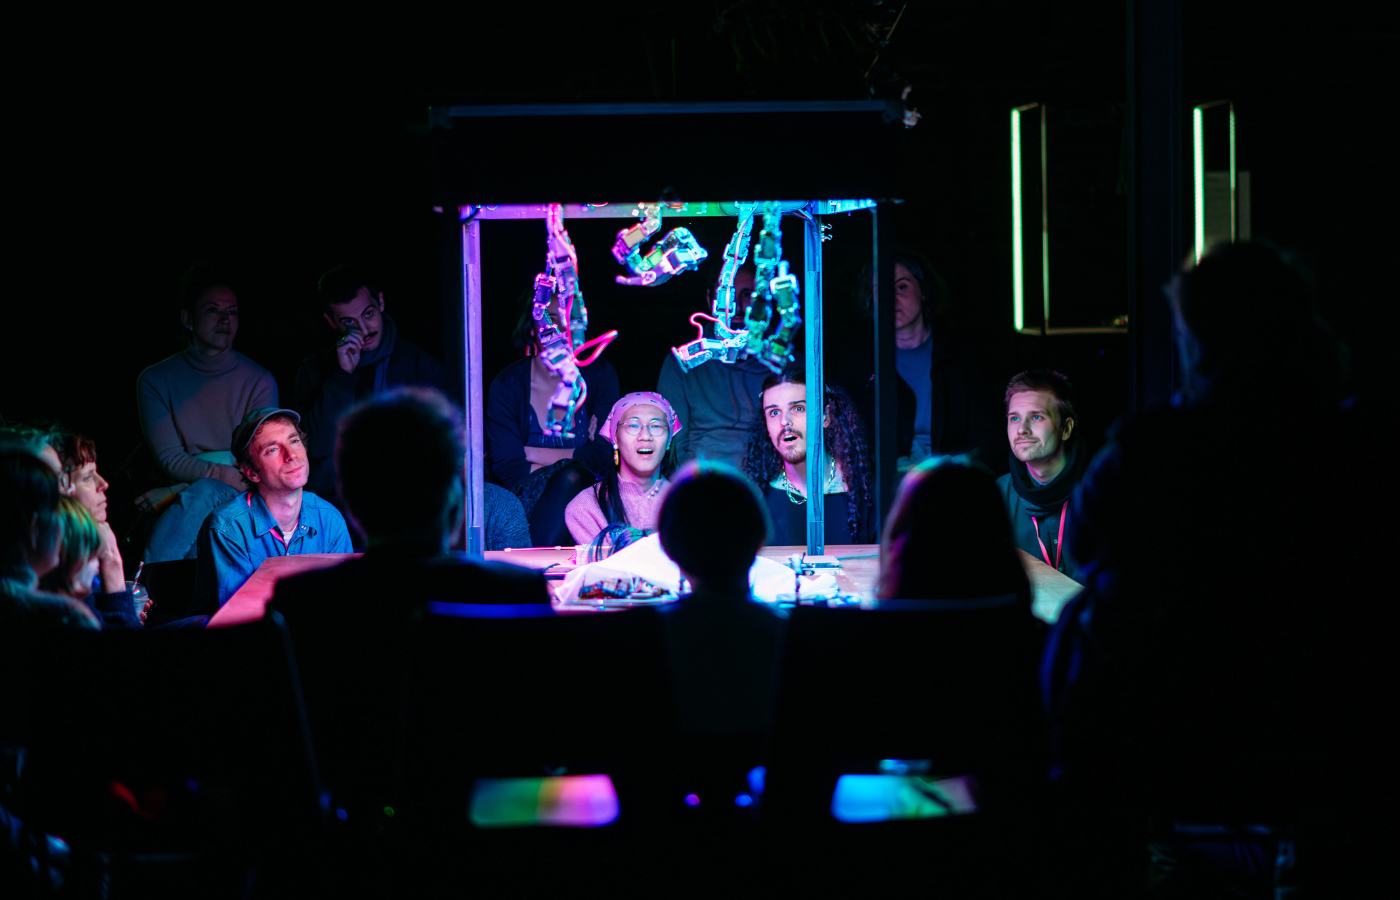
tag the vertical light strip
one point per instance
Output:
(1018, 275)
(1198, 169)
(1234, 199)
(1044, 227)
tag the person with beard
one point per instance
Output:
(776, 460)
(1046, 463)
(641, 426)
(369, 357)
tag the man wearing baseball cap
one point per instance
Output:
(275, 517)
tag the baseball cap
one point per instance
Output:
(243, 434)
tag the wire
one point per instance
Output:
(698, 327)
(602, 340)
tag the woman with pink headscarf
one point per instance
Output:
(640, 426)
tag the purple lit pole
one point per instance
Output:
(475, 394)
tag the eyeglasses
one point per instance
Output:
(656, 428)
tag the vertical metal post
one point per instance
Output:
(1157, 240)
(886, 423)
(816, 383)
(472, 414)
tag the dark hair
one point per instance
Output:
(947, 536)
(28, 497)
(712, 521)
(74, 450)
(937, 300)
(198, 279)
(1245, 316)
(523, 335)
(341, 284)
(1055, 383)
(26, 436)
(844, 439)
(372, 436)
(610, 540)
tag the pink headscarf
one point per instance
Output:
(638, 398)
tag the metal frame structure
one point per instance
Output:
(1018, 242)
(470, 219)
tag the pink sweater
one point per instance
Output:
(585, 518)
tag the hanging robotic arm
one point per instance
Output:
(676, 252)
(561, 341)
(774, 289)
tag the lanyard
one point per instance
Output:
(276, 529)
(1059, 541)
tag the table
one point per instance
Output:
(860, 568)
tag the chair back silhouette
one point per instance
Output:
(175, 740)
(521, 692)
(938, 688)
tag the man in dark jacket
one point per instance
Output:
(369, 357)
(1046, 463)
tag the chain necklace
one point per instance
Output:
(832, 484)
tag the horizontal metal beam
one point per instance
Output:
(705, 209)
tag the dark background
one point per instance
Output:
(281, 148)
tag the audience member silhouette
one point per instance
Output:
(723, 647)
(949, 366)
(77, 552)
(1208, 674)
(947, 538)
(349, 622)
(29, 548)
(29, 544)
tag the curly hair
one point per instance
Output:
(844, 439)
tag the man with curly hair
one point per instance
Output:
(777, 461)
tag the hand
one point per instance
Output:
(145, 610)
(231, 476)
(347, 350)
(109, 560)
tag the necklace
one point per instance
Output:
(652, 491)
(834, 483)
(792, 493)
